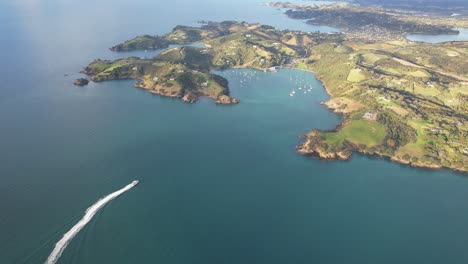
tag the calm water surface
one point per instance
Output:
(463, 36)
(217, 184)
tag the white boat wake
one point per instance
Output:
(90, 212)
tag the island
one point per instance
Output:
(403, 100)
(81, 82)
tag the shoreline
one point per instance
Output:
(340, 155)
(315, 152)
(367, 127)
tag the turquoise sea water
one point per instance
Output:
(217, 184)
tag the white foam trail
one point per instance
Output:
(90, 212)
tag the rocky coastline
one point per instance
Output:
(367, 83)
(81, 82)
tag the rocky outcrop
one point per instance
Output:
(81, 82)
(316, 145)
(190, 97)
(226, 100)
(416, 164)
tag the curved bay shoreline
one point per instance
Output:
(379, 118)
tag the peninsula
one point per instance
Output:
(399, 99)
(373, 23)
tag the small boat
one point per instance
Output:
(135, 182)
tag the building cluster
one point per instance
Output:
(372, 116)
(372, 33)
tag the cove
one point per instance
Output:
(217, 184)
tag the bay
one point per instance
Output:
(217, 184)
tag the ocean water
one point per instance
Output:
(463, 36)
(218, 184)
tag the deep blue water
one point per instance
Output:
(217, 184)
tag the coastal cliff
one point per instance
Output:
(399, 99)
(179, 73)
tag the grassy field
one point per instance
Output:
(416, 149)
(420, 74)
(356, 75)
(372, 58)
(365, 132)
